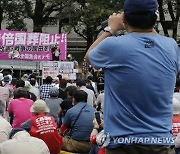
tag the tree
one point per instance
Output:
(2, 6)
(15, 19)
(172, 7)
(86, 16)
(40, 11)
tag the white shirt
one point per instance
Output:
(177, 96)
(23, 143)
(91, 97)
(35, 91)
(5, 129)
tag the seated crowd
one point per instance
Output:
(49, 118)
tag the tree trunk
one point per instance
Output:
(175, 25)
(38, 16)
(1, 17)
(37, 27)
(60, 26)
(89, 38)
(162, 17)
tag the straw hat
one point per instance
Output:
(39, 106)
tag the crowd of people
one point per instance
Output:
(58, 112)
(132, 108)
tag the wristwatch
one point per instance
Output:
(109, 29)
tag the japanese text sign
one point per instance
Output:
(32, 46)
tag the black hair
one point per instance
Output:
(63, 83)
(48, 80)
(20, 93)
(90, 77)
(177, 86)
(80, 96)
(70, 90)
(31, 96)
(80, 82)
(53, 49)
(14, 131)
(59, 76)
(14, 81)
(142, 20)
(33, 82)
(1, 83)
(88, 81)
(20, 83)
(32, 76)
(177, 82)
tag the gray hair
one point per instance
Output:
(2, 107)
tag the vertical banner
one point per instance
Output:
(33, 46)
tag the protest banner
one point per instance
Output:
(32, 46)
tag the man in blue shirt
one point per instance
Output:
(140, 72)
(79, 121)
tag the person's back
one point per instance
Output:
(78, 120)
(44, 88)
(144, 82)
(5, 129)
(23, 143)
(147, 77)
(91, 96)
(140, 70)
(54, 102)
(34, 89)
(54, 105)
(20, 107)
(83, 126)
(43, 126)
(5, 126)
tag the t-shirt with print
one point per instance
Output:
(140, 73)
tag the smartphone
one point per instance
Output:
(98, 117)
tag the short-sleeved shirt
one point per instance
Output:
(91, 96)
(140, 73)
(5, 129)
(54, 106)
(82, 128)
(44, 90)
(20, 108)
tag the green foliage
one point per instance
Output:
(15, 16)
(86, 16)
